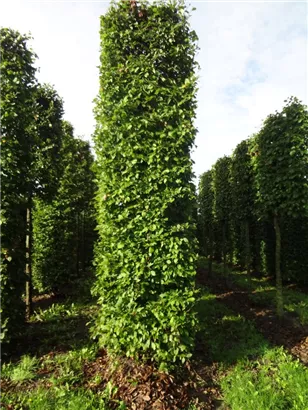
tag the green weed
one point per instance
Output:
(273, 382)
(56, 311)
(68, 367)
(24, 370)
(60, 398)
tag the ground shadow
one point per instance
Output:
(58, 334)
(285, 332)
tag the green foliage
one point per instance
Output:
(243, 201)
(282, 161)
(17, 114)
(243, 195)
(68, 367)
(47, 143)
(206, 209)
(54, 311)
(63, 229)
(222, 189)
(294, 249)
(275, 381)
(24, 370)
(145, 256)
(222, 206)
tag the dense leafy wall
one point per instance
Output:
(17, 114)
(63, 228)
(146, 252)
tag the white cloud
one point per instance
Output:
(66, 40)
(253, 56)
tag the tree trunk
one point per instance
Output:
(82, 244)
(230, 243)
(224, 247)
(210, 255)
(29, 307)
(257, 247)
(279, 296)
(247, 248)
(77, 245)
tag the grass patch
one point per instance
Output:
(55, 312)
(229, 336)
(274, 381)
(60, 398)
(68, 367)
(253, 374)
(59, 336)
(24, 370)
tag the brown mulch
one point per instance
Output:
(287, 332)
(142, 387)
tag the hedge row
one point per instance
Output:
(259, 195)
(42, 168)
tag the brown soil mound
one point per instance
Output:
(142, 387)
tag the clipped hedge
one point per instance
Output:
(145, 257)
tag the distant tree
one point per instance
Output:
(206, 213)
(63, 228)
(281, 164)
(44, 170)
(223, 203)
(243, 194)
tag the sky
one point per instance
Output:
(252, 56)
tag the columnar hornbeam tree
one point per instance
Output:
(206, 214)
(44, 170)
(147, 248)
(243, 194)
(281, 172)
(223, 203)
(18, 86)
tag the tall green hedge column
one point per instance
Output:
(281, 172)
(147, 249)
(243, 195)
(223, 203)
(206, 214)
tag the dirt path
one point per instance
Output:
(285, 332)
